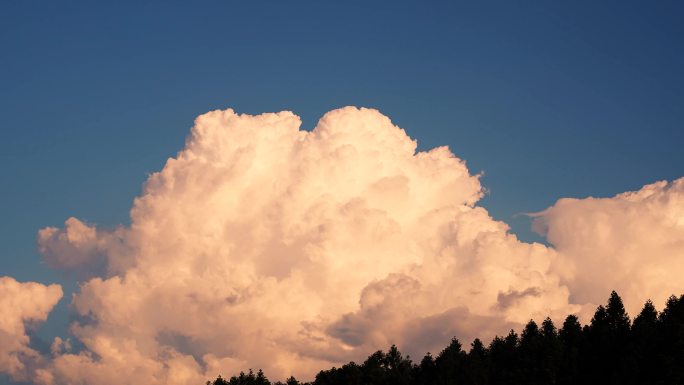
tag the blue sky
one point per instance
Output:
(549, 100)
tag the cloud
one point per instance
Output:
(632, 243)
(83, 250)
(261, 245)
(266, 246)
(22, 305)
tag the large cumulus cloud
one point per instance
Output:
(266, 246)
(23, 304)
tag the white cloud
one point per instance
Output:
(262, 245)
(21, 305)
(632, 243)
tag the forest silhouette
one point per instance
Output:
(611, 349)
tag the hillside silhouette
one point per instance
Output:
(611, 349)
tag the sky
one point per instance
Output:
(536, 102)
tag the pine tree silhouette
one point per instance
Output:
(571, 340)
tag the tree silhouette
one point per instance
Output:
(427, 370)
(550, 352)
(617, 317)
(643, 350)
(504, 359)
(571, 340)
(672, 339)
(529, 354)
(449, 363)
(476, 365)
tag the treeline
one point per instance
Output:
(612, 349)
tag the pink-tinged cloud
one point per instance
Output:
(83, 249)
(22, 305)
(266, 246)
(632, 243)
(261, 245)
